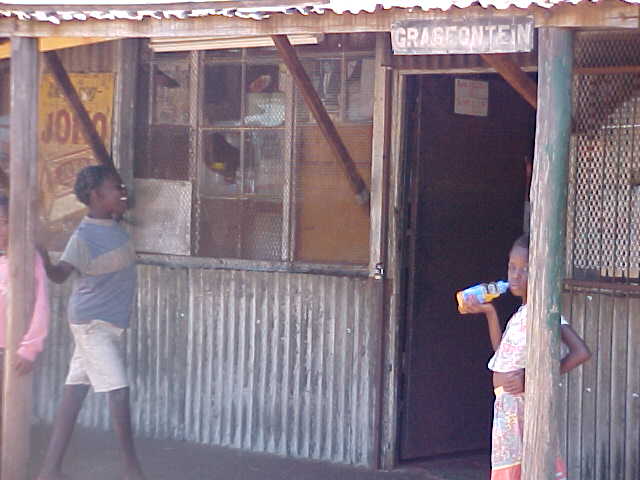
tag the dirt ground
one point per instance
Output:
(94, 456)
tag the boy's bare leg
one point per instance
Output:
(121, 417)
(65, 421)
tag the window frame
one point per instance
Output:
(197, 62)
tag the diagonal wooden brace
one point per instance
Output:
(312, 99)
(514, 75)
(70, 93)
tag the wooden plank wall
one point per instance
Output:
(323, 190)
(601, 433)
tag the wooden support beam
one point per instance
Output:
(312, 99)
(607, 70)
(124, 110)
(380, 146)
(547, 254)
(16, 413)
(395, 293)
(70, 93)
(380, 149)
(514, 75)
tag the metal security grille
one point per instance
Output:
(604, 196)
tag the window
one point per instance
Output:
(242, 162)
(266, 186)
(166, 149)
(604, 179)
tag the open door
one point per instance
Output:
(466, 209)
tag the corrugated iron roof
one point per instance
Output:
(369, 6)
(47, 11)
(162, 9)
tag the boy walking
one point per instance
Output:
(102, 258)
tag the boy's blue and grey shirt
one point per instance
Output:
(104, 286)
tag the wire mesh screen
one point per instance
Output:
(266, 185)
(242, 158)
(167, 153)
(604, 191)
(163, 105)
(240, 228)
(162, 217)
(331, 226)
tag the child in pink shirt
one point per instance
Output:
(33, 341)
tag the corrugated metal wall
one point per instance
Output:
(601, 434)
(94, 58)
(270, 362)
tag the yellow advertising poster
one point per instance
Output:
(63, 150)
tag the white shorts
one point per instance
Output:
(97, 358)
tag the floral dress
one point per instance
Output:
(508, 410)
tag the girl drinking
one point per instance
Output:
(508, 364)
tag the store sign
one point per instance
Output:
(63, 150)
(465, 35)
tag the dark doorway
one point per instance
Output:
(467, 184)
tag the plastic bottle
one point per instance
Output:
(484, 292)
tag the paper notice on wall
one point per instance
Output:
(471, 97)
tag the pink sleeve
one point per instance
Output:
(33, 341)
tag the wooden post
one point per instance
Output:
(514, 75)
(381, 142)
(321, 116)
(396, 242)
(70, 93)
(380, 148)
(124, 112)
(549, 203)
(16, 414)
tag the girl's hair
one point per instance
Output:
(90, 178)
(522, 241)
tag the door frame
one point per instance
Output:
(392, 340)
(396, 294)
